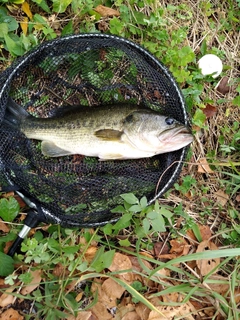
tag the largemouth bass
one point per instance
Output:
(109, 132)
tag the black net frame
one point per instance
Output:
(91, 70)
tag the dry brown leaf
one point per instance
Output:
(172, 297)
(90, 253)
(179, 246)
(34, 283)
(131, 316)
(7, 298)
(207, 265)
(203, 166)
(83, 315)
(4, 227)
(209, 110)
(11, 314)
(220, 288)
(238, 198)
(223, 85)
(103, 297)
(101, 312)
(222, 197)
(143, 311)
(205, 232)
(79, 296)
(237, 295)
(122, 262)
(106, 11)
(187, 311)
(160, 248)
(112, 289)
(168, 312)
(58, 270)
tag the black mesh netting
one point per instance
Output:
(90, 70)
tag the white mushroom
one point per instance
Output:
(210, 64)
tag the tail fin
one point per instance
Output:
(14, 113)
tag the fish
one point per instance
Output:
(109, 132)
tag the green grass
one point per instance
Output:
(74, 262)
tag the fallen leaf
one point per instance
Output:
(58, 270)
(7, 298)
(122, 262)
(106, 11)
(160, 248)
(173, 297)
(218, 284)
(131, 316)
(90, 253)
(165, 313)
(142, 310)
(103, 297)
(207, 265)
(237, 295)
(205, 232)
(83, 315)
(101, 312)
(4, 227)
(223, 86)
(34, 283)
(79, 296)
(203, 166)
(112, 289)
(26, 9)
(180, 247)
(11, 314)
(209, 110)
(222, 197)
(24, 25)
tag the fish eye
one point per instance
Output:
(169, 121)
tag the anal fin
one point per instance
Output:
(50, 149)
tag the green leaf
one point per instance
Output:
(14, 47)
(166, 213)
(68, 29)
(159, 224)
(124, 243)
(3, 29)
(199, 118)
(236, 101)
(10, 21)
(123, 222)
(135, 208)
(71, 249)
(130, 198)
(143, 202)
(102, 260)
(6, 265)
(146, 225)
(43, 4)
(116, 26)
(9, 209)
(60, 6)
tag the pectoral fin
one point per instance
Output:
(50, 149)
(109, 134)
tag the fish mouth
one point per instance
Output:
(180, 132)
